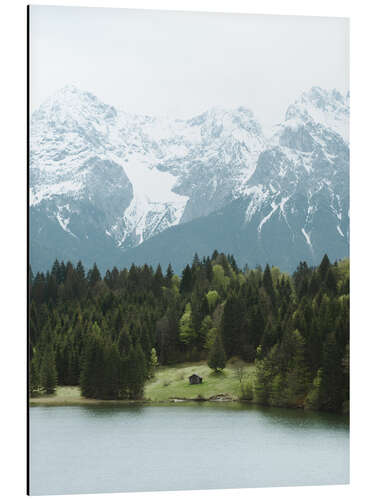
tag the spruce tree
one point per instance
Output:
(93, 275)
(48, 373)
(231, 321)
(153, 362)
(331, 394)
(111, 385)
(186, 284)
(124, 342)
(169, 275)
(268, 284)
(323, 267)
(34, 374)
(136, 372)
(158, 281)
(217, 358)
(91, 379)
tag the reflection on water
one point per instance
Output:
(109, 448)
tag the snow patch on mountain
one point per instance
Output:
(307, 237)
(268, 216)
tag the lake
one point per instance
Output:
(107, 448)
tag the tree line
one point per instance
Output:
(107, 333)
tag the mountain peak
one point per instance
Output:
(69, 93)
(327, 107)
(70, 88)
(324, 98)
(62, 92)
(71, 103)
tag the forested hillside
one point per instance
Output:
(107, 333)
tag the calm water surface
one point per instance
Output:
(96, 449)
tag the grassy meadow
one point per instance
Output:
(170, 382)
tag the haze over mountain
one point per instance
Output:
(114, 188)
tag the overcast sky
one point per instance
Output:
(180, 64)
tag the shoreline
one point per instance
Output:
(78, 400)
(55, 400)
(73, 400)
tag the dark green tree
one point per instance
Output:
(136, 372)
(93, 275)
(48, 373)
(217, 358)
(34, 374)
(268, 284)
(186, 284)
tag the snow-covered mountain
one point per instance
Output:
(103, 181)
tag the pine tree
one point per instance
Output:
(124, 341)
(158, 281)
(93, 275)
(48, 373)
(230, 325)
(268, 284)
(136, 372)
(214, 255)
(298, 375)
(61, 273)
(331, 282)
(112, 372)
(199, 309)
(313, 397)
(217, 358)
(34, 374)
(91, 379)
(186, 284)
(169, 275)
(323, 267)
(153, 362)
(205, 328)
(80, 270)
(331, 394)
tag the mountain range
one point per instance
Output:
(114, 188)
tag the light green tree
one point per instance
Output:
(186, 331)
(312, 400)
(210, 338)
(205, 328)
(153, 362)
(220, 281)
(212, 299)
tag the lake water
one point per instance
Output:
(96, 449)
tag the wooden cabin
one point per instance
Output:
(195, 379)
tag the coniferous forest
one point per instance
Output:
(106, 333)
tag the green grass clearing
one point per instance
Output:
(63, 395)
(173, 382)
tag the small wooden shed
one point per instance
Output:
(195, 379)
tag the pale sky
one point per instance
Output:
(181, 64)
